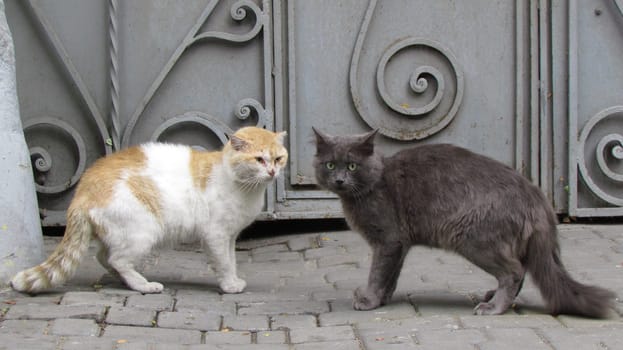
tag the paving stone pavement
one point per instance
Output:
(299, 297)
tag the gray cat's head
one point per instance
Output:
(347, 165)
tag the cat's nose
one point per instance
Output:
(271, 172)
(339, 182)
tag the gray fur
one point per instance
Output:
(448, 197)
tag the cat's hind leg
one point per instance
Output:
(102, 258)
(120, 253)
(132, 278)
(510, 276)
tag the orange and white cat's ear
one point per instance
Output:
(281, 136)
(237, 143)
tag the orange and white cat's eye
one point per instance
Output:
(260, 160)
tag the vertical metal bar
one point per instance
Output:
(545, 95)
(573, 106)
(521, 18)
(269, 102)
(559, 88)
(113, 40)
(534, 92)
(277, 71)
(292, 93)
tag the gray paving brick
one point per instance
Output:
(249, 323)
(49, 312)
(450, 339)
(583, 338)
(513, 339)
(293, 321)
(441, 301)
(154, 335)
(273, 248)
(158, 302)
(344, 314)
(510, 321)
(271, 337)
(338, 260)
(130, 316)
(72, 326)
(230, 337)
(24, 327)
(189, 319)
(251, 296)
(92, 298)
(340, 238)
(386, 339)
(243, 347)
(188, 297)
(333, 345)
(283, 308)
(11, 342)
(583, 322)
(276, 257)
(324, 251)
(424, 323)
(217, 308)
(302, 242)
(332, 295)
(321, 334)
(82, 343)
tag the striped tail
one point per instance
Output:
(62, 263)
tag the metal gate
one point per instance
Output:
(534, 84)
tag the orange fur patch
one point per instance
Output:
(96, 186)
(145, 190)
(201, 164)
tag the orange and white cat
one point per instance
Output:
(143, 196)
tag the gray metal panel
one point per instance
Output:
(595, 108)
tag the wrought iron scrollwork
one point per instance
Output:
(42, 160)
(441, 71)
(239, 11)
(609, 151)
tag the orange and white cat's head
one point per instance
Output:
(255, 156)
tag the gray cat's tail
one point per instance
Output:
(563, 294)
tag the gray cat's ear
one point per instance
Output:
(237, 143)
(322, 141)
(366, 146)
(320, 136)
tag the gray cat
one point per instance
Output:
(448, 197)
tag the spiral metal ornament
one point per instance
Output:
(610, 146)
(435, 69)
(42, 161)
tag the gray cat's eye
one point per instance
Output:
(352, 166)
(330, 165)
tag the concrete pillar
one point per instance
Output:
(21, 242)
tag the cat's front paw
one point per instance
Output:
(149, 288)
(363, 300)
(233, 285)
